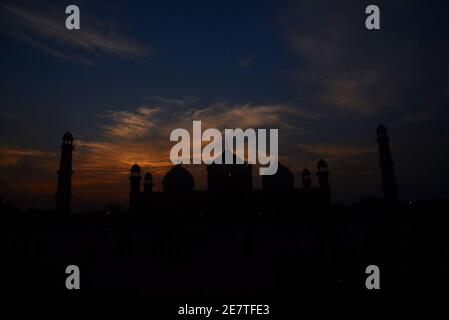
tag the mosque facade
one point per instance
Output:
(227, 185)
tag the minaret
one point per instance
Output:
(63, 193)
(148, 183)
(306, 180)
(134, 192)
(323, 180)
(389, 185)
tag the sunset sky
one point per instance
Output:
(137, 70)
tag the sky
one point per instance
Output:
(136, 70)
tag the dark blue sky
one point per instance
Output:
(194, 49)
(138, 69)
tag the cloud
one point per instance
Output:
(118, 156)
(12, 156)
(142, 136)
(84, 46)
(336, 152)
(331, 75)
(126, 124)
(102, 164)
(8, 116)
(344, 68)
(223, 115)
(348, 92)
(415, 117)
(247, 60)
(180, 102)
(158, 122)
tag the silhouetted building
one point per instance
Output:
(282, 181)
(306, 180)
(148, 183)
(134, 192)
(278, 193)
(140, 202)
(229, 178)
(178, 179)
(64, 189)
(323, 181)
(389, 185)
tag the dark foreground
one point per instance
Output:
(200, 259)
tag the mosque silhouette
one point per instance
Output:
(226, 185)
(230, 242)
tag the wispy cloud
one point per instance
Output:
(140, 122)
(8, 116)
(180, 102)
(415, 117)
(142, 136)
(126, 124)
(225, 115)
(83, 46)
(344, 68)
(349, 92)
(336, 152)
(107, 162)
(11, 156)
(102, 163)
(247, 60)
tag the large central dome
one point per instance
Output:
(229, 178)
(282, 181)
(178, 179)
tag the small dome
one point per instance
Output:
(322, 164)
(178, 179)
(282, 180)
(67, 136)
(148, 176)
(381, 129)
(135, 168)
